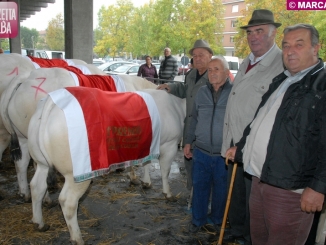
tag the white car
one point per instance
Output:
(112, 65)
(98, 62)
(130, 69)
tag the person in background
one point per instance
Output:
(251, 82)
(195, 79)
(148, 70)
(284, 149)
(205, 134)
(169, 67)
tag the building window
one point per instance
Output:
(235, 8)
(234, 23)
(232, 39)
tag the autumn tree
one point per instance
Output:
(319, 21)
(139, 40)
(113, 23)
(281, 15)
(204, 19)
(4, 43)
(55, 33)
(29, 37)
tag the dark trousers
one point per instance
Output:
(239, 217)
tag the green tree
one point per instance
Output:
(205, 21)
(4, 43)
(29, 37)
(55, 33)
(319, 21)
(113, 23)
(281, 15)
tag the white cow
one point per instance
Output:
(49, 147)
(15, 66)
(18, 104)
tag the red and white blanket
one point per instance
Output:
(108, 130)
(105, 83)
(46, 63)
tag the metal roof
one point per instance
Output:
(29, 8)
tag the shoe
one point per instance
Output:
(217, 227)
(193, 228)
(234, 239)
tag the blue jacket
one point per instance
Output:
(206, 127)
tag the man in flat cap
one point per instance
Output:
(251, 82)
(196, 78)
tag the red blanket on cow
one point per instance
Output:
(46, 63)
(107, 130)
(105, 83)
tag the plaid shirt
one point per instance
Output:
(147, 72)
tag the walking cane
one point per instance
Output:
(235, 165)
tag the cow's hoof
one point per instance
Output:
(135, 182)
(146, 185)
(171, 198)
(43, 229)
(50, 205)
(23, 198)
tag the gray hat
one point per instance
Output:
(201, 44)
(261, 17)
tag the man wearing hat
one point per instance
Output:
(196, 78)
(251, 82)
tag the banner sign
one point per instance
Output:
(8, 20)
(305, 5)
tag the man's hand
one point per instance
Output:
(187, 151)
(230, 153)
(164, 86)
(311, 201)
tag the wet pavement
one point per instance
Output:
(111, 212)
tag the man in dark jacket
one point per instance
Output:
(284, 147)
(169, 67)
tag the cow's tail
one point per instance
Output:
(15, 151)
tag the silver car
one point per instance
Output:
(112, 65)
(129, 69)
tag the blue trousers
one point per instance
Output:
(209, 174)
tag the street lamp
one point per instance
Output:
(33, 42)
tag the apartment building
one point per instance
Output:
(232, 12)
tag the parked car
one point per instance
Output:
(98, 62)
(183, 70)
(112, 65)
(130, 69)
(157, 65)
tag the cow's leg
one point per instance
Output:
(146, 180)
(4, 140)
(69, 196)
(21, 169)
(167, 153)
(134, 180)
(38, 190)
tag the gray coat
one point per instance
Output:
(246, 93)
(188, 90)
(206, 127)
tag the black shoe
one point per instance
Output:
(193, 228)
(217, 228)
(233, 239)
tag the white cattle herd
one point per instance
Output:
(41, 132)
